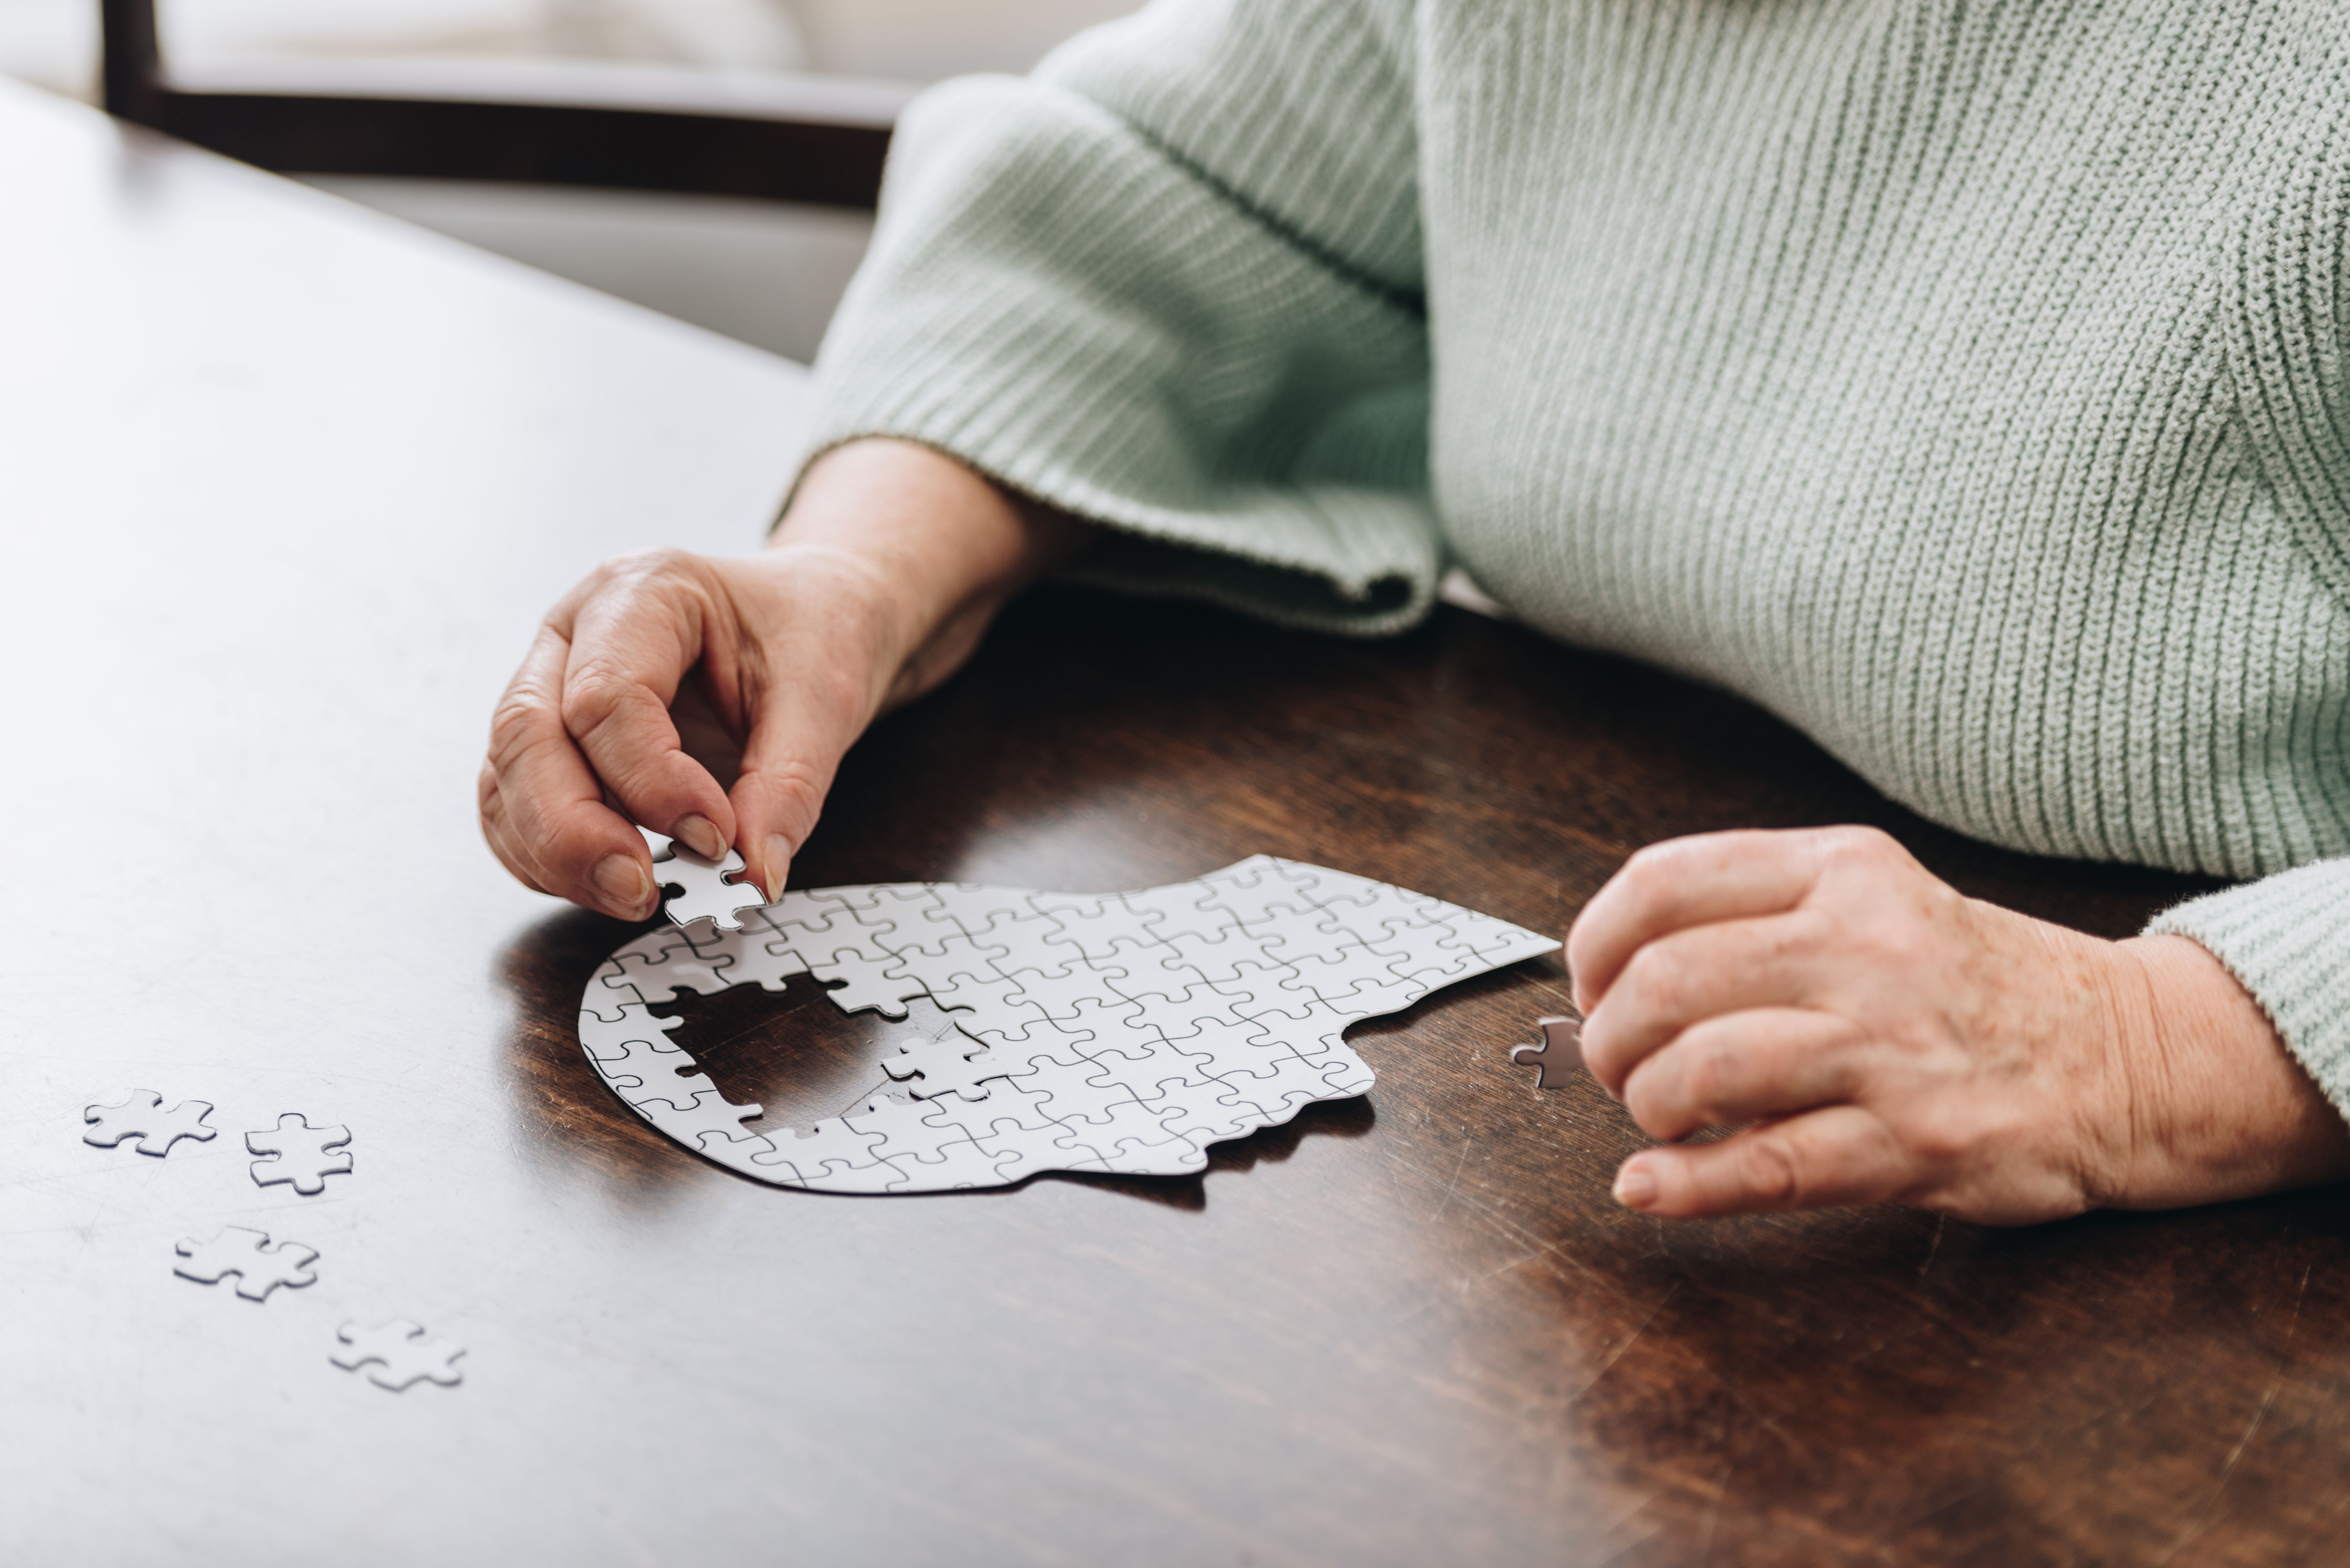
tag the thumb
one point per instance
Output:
(777, 806)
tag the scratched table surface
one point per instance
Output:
(284, 486)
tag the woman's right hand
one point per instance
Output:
(664, 673)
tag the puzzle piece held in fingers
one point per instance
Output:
(705, 889)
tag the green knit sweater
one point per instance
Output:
(1962, 379)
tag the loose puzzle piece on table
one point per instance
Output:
(142, 1116)
(260, 1265)
(400, 1354)
(1557, 1052)
(1098, 1032)
(298, 1153)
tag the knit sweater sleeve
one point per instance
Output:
(2284, 939)
(1172, 282)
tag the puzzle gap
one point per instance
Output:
(796, 1053)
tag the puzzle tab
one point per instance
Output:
(1118, 1033)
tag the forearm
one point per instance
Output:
(1211, 342)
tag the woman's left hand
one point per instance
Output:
(1877, 1037)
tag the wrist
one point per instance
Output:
(935, 547)
(2217, 1108)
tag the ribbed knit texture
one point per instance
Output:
(1962, 379)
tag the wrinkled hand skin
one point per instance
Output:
(711, 698)
(1865, 1034)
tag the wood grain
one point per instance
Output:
(296, 486)
(1853, 1386)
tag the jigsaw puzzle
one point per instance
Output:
(400, 1353)
(298, 1153)
(259, 1264)
(1557, 1052)
(142, 1116)
(1093, 1032)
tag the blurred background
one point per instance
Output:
(765, 273)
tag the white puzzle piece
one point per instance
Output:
(259, 1264)
(142, 1116)
(400, 1354)
(706, 889)
(1118, 1032)
(298, 1153)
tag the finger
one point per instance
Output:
(1695, 881)
(804, 716)
(1688, 976)
(1768, 1062)
(631, 644)
(543, 811)
(1821, 1159)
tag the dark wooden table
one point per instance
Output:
(284, 486)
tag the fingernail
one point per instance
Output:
(627, 891)
(701, 834)
(779, 861)
(1635, 1188)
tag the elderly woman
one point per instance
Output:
(1964, 380)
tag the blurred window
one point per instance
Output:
(763, 273)
(54, 42)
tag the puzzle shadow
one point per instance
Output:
(792, 1052)
(1330, 1118)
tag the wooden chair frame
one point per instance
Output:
(783, 140)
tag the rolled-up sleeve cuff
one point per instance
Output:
(2286, 938)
